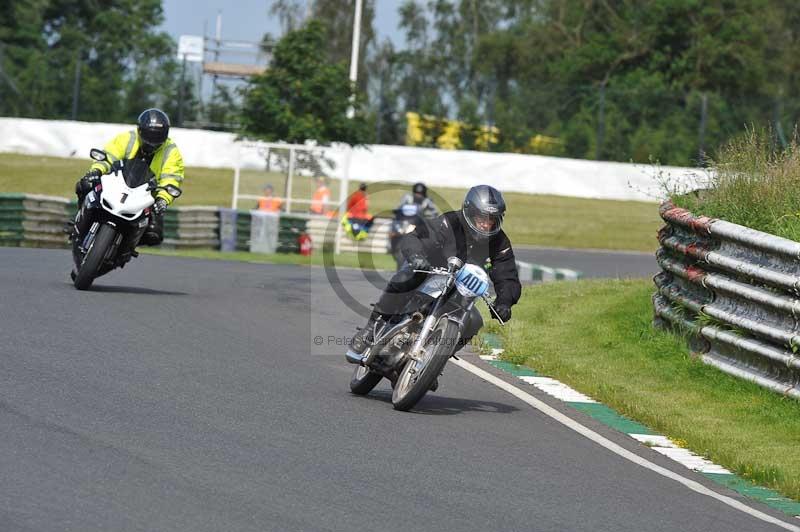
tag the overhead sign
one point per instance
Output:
(191, 48)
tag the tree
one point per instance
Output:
(337, 15)
(289, 13)
(123, 62)
(384, 94)
(302, 96)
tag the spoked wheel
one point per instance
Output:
(416, 378)
(363, 380)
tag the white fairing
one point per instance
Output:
(121, 200)
(472, 281)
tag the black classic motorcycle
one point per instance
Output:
(412, 348)
(112, 218)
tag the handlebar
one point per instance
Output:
(443, 271)
(435, 271)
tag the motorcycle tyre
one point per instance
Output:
(363, 380)
(94, 257)
(441, 353)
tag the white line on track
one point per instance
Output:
(617, 449)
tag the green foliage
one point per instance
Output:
(752, 183)
(124, 63)
(302, 95)
(338, 18)
(613, 80)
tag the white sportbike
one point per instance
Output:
(112, 218)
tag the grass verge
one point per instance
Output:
(597, 336)
(532, 219)
(753, 185)
(345, 260)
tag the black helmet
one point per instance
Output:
(153, 127)
(420, 188)
(483, 210)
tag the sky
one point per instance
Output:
(249, 20)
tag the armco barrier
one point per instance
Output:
(734, 292)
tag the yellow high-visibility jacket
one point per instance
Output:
(167, 163)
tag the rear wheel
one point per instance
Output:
(363, 380)
(414, 381)
(94, 257)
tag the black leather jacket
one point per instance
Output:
(448, 235)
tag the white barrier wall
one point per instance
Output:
(508, 172)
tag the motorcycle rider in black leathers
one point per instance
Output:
(473, 234)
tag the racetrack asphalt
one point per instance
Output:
(592, 263)
(189, 395)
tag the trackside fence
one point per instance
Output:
(734, 292)
(29, 220)
(191, 227)
(34, 221)
(43, 221)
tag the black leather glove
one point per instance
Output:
(86, 183)
(503, 312)
(92, 175)
(419, 262)
(160, 206)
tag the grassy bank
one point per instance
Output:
(597, 336)
(752, 184)
(532, 219)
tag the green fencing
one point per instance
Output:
(191, 227)
(289, 230)
(30, 220)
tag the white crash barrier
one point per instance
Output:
(533, 174)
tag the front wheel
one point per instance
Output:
(94, 257)
(363, 380)
(415, 380)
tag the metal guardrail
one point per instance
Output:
(734, 292)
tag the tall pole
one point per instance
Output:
(354, 59)
(181, 90)
(76, 87)
(216, 53)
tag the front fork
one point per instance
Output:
(427, 327)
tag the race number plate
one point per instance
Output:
(472, 281)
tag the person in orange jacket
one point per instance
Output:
(357, 220)
(268, 202)
(358, 203)
(321, 197)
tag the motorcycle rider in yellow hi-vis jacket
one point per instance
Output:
(150, 142)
